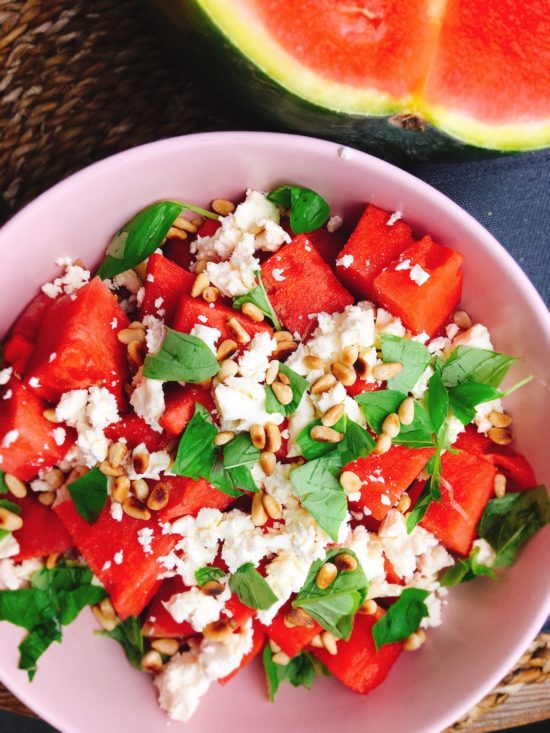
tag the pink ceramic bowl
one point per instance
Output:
(85, 684)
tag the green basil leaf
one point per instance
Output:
(208, 573)
(36, 643)
(69, 588)
(128, 634)
(226, 481)
(357, 443)
(3, 485)
(311, 448)
(11, 506)
(320, 493)
(508, 522)
(438, 401)
(334, 607)
(258, 296)
(419, 434)
(89, 494)
(239, 456)
(308, 210)
(298, 386)
(182, 358)
(378, 405)
(418, 512)
(26, 607)
(402, 618)
(300, 671)
(465, 397)
(414, 356)
(465, 570)
(196, 452)
(470, 364)
(251, 588)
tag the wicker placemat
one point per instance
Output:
(82, 79)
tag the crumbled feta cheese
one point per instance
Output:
(196, 608)
(5, 375)
(278, 274)
(454, 428)
(210, 336)
(154, 336)
(34, 382)
(7, 394)
(241, 404)
(385, 499)
(202, 319)
(150, 278)
(334, 223)
(387, 323)
(17, 575)
(116, 511)
(148, 400)
(118, 557)
(437, 346)
(477, 336)
(159, 461)
(403, 265)
(236, 276)
(421, 384)
(418, 275)
(421, 337)
(52, 357)
(255, 360)
(9, 546)
(344, 261)
(451, 330)
(106, 566)
(9, 438)
(145, 539)
(393, 218)
(72, 279)
(482, 414)
(59, 435)
(485, 553)
(127, 279)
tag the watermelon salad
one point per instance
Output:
(258, 431)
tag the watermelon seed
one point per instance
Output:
(15, 486)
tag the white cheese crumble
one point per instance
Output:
(145, 539)
(418, 275)
(241, 404)
(393, 218)
(485, 553)
(196, 607)
(255, 360)
(478, 336)
(5, 375)
(59, 435)
(155, 334)
(334, 223)
(210, 336)
(9, 438)
(118, 557)
(403, 265)
(34, 382)
(127, 279)
(116, 511)
(17, 575)
(148, 400)
(278, 274)
(9, 547)
(158, 462)
(72, 279)
(345, 261)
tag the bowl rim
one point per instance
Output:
(314, 146)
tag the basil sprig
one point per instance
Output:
(258, 296)
(471, 364)
(509, 521)
(142, 235)
(465, 570)
(464, 398)
(128, 634)
(89, 494)
(308, 210)
(402, 618)
(334, 607)
(414, 356)
(300, 671)
(208, 573)
(11, 506)
(55, 599)
(251, 588)
(182, 358)
(298, 385)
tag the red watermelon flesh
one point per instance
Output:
(132, 582)
(189, 309)
(258, 642)
(20, 343)
(286, 275)
(328, 244)
(292, 641)
(42, 532)
(357, 664)
(189, 496)
(27, 439)
(134, 430)
(81, 330)
(180, 406)
(372, 245)
(165, 283)
(424, 307)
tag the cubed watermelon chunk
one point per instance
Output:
(20, 343)
(428, 306)
(42, 532)
(386, 477)
(134, 430)
(113, 552)
(372, 245)
(77, 346)
(357, 664)
(165, 283)
(467, 485)
(328, 244)
(189, 309)
(27, 440)
(258, 642)
(188, 496)
(180, 406)
(299, 282)
(292, 641)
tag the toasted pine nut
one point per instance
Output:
(107, 608)
(257, 513)
(368, 607)
(140, 489)
(210, 294)
(228, 369)
(282, 377)
(329, 642)
(387, 370)
(121, 488)
(274, 646)
(383, 444)
(257, 436)
(159, 496)
(313, 362)
(50, 415)
(462, 320)
(52, 560)
(55, 478)
(226, 349)
(414, 641)
(323, 384)
(268, 462)
(151, 662)
(272, 371)
(253, 312)
(76, 473)
(499, 419)
(282, 392)
(223, 207)
(137, 324)
(10, 521)
(391, 425)
(350, 354)
(350, 482)
(325, 435)
(283, 336)
(317, 642)
(362, 367)
(212, 588)
(108, 470)
(134, 508)
(346, 374)
(224, 437)
(404, 504)
(140, 462)
(201, 266)
(285, 346)
(107, 622)
(238, 331)
(500, 485)
(218, 630)
(15, 486)
(272, 507)
(332, 415)
(176, 233)
(326, 575)
(46, 498)
(187, 226)
(117, 453)
(136, 352)
(197, 221)
(345, 562)
(406, 411)
(127, 335)
(202, 281)
(274, 440)
(500, 436)
(280, 658)
(298, 617)
(169, 647)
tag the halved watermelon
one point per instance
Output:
(417, 79)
